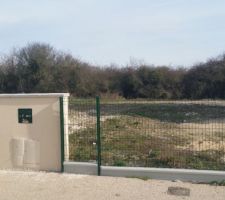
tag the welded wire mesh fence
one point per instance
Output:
(82, 130)
(144, 133)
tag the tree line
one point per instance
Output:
(39, 67)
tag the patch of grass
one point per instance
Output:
(81, 145)
(202, 160)
(119, 163)
(218, 183)
(177, 113)
(219, 136)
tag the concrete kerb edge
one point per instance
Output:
(152, 173)
(34, 95)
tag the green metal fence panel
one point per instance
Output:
(145, 133)
(82, 130)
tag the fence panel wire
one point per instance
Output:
(173, 134)
(82, 130)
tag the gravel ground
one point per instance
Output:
(19, 185)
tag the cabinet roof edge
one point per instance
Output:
(36, 95)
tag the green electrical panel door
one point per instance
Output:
(25, 115)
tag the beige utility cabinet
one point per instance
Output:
(30, 131)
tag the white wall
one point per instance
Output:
(45, 128)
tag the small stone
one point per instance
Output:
(178, 191)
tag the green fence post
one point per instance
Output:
(98, 135)
(62, 132)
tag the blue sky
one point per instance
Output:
(161, 32)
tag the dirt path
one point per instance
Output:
(52, 186)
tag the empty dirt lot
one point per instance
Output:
(53, 186)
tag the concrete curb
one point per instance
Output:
(165, 174)
(80, 168)
(153, 173)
